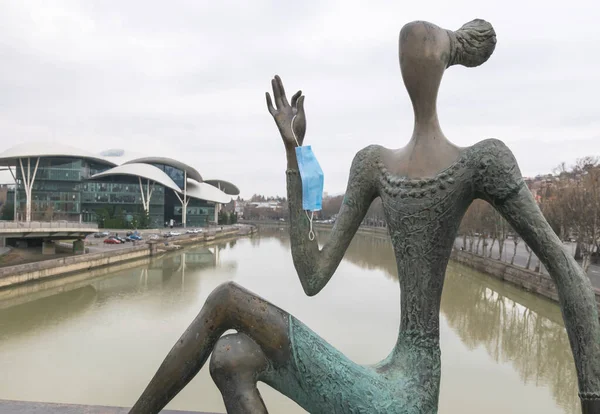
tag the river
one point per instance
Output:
(99, 340)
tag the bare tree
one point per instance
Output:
(529, 258)
(582, 199)
(494, 238)
(516, 240)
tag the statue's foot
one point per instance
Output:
(236, 362)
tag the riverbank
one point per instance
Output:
(52, 268)
(538, 283)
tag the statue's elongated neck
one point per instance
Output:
(427, 126)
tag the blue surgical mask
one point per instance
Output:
(312, 182)
(312, 179)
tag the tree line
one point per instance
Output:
(569, 198)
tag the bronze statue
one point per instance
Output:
(426, 187)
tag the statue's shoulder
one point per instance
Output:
(368, 157)
(491, 146)
(497, 173)
(370, 153)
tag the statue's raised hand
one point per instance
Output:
(288, 115)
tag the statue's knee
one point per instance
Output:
(236, 358)
(223, 293)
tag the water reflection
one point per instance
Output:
(46, 312)
(524, 331)
(31, 306)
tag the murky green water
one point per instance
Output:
(99, 341)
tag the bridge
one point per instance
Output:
(54, 230)
(47, 231)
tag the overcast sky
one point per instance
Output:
(187, 79)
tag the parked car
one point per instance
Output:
(133, 237)
(111, 240)
(154, 237)
(193, 231)
(98, 235)
(173, 233)
(118, 238)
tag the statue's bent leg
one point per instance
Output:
(273, 347)
(323, 380)
(229, 306)
(236, 363)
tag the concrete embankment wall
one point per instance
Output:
(36, 271)
(28, 272)
(538, 283)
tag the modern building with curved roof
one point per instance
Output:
(55, 181)
(38, 150)
(205, 191)
(143, 172)
(162, 162)
(225, 186)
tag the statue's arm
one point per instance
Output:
(501, 184)
(316, 266)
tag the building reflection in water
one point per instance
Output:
(31, 307)
(511, 325)
(46, 312)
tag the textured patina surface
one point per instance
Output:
(426, 188)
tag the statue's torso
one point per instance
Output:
(423, 216)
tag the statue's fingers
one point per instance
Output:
(282, 91)
(301, 105)
(277, 94)
(295, 98)
(270, 104)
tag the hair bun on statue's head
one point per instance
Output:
(472, 44)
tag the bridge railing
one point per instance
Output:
(46, 225)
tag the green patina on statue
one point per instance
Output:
(426, 187)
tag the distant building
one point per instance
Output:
(270, 205)
(60, 182)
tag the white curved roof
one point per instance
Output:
(206, 192)
(191, 171)
(120, 156)
(146, 171)
(11, 156)
(225, 186)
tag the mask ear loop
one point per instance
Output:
(293, 133)
(311, 233)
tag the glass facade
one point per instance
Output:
(175, 174)
(55, 190)
(62, 191)
(199, 212)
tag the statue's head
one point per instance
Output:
(426, 50)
